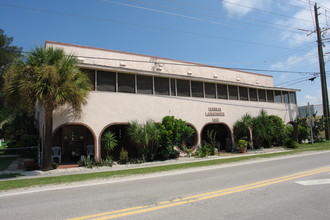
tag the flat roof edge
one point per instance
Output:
(143, 55)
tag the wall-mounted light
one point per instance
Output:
(189, 73)
(257, 81)
(215, 76)
(122, 64)
(238, 79)
(159, 67)
(80, 60)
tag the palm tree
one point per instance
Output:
(51, 78)
(110, 141)
(146, 137)
(243, 127)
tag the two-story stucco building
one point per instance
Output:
(130, 86)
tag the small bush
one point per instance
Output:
(54, 165)
(123, 156)
(137, 160)
(290, 143)
(242, 144)
(204, 150)
(90, 163)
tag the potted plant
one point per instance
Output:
(243, 144)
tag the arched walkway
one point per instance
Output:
(193, 140)
(73, 140)
(120, 131)
(223, 140)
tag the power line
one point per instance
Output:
(295, 80)
(297, 30)
(283, 2)
(265, 11)
(231, 15)
(187, 63)
(144, 26)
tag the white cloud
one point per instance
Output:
(313, 99)
(307, 58)
(236, 7)
(303, 19)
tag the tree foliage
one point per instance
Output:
(8, 52)
(109, 140)
(146, 137)
(51, 78)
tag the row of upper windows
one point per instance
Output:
(141, 84)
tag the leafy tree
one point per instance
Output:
(303, 129)
(51, 78)
(277, 129)
(318, 126)
(173, 132)
(262, 130)
(8, 53)
(109, 141)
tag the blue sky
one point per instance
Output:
(250, 34)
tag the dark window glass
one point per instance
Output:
(262, 95)
(233, 93)
(126, 83)
(91, 75)
(270, 96)
(173, 86)
(292, 96)
(210, 90)
(106, 81)
(253, 94)
(222, 91)
(278, 97)
(197, 89)
(285, 96)
(183, 87)
(162, 86)
(144, 84)
(243, 93)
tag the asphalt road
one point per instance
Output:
(268, 189)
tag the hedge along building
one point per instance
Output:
(129, 86)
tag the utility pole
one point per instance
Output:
(325, 100)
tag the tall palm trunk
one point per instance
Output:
(47, 148)
(251, 138)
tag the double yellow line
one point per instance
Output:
(198, 197)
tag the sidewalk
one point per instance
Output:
(115, 167)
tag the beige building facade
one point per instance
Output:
(138, 87)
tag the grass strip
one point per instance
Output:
(21, 183)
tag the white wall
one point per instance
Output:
(104, 108)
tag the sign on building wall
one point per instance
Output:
(214, 112)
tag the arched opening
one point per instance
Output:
(120, 131)
(222, 140)
(193, 140)
(74, 139)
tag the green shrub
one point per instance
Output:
(242, 144)
(137, 160)
(290, 143)
(204, 150)
(123, 156)
(173, 133)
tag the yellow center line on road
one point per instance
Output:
(198, 197)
